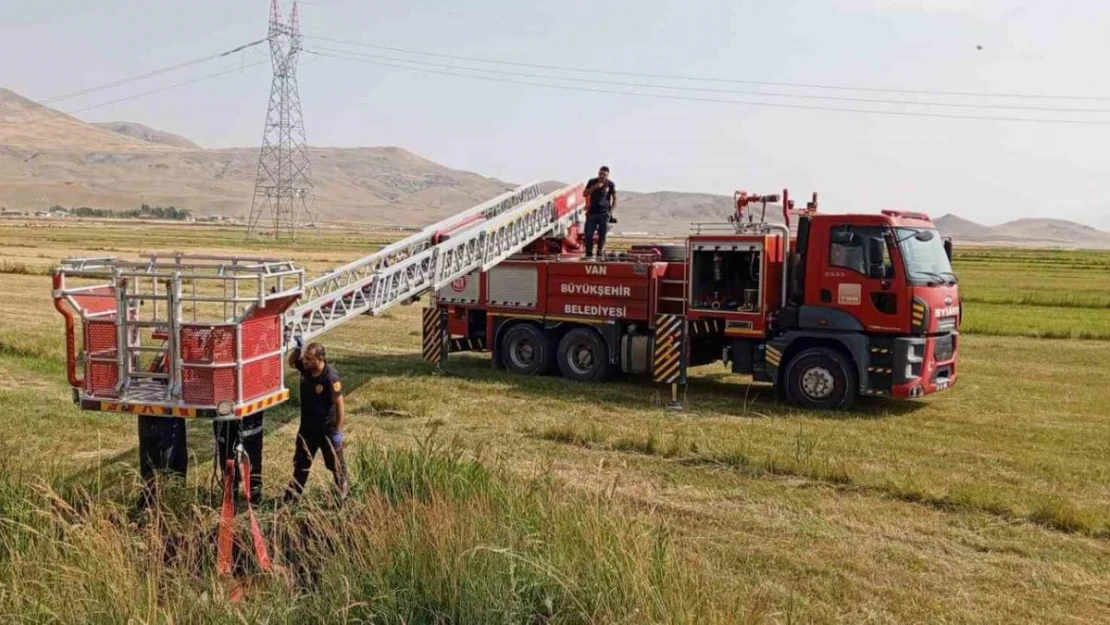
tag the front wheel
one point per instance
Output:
(822, 379)
(583, 356)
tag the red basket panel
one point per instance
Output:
(261, 335)
(100, 338)
(207, 344)
(101, 378)
(262, 377)
(207, 386)
(98, 300)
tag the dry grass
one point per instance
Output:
(985, 504)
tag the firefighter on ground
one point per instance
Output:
(601, 201)
(322, 416)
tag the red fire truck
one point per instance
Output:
(828, 308)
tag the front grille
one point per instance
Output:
(943, 348)
(946, 324)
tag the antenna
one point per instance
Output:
(282, 188)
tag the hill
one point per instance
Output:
(1054, 230)
(28, 125)
(146, 133)
(962, 229)
(48, 157)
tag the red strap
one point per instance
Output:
(256, 531)
(227, 515)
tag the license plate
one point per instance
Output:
(942, 384)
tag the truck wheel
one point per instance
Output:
(823, 379)
(583, 356)
(527, 350)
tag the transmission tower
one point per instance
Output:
(282, 189)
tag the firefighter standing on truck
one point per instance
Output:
(322, 415)
(601, 201)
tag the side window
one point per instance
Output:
(850, 247)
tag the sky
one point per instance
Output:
(987, 170)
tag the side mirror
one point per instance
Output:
(948, 249)
(924, 236)
(875, 249)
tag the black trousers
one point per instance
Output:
(309, 441)
(162, 450)
(247, 431)
(598, 223)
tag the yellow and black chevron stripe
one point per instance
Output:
(880, 350)
(918, 314)
(262, 404)
(881, 370)
(433, 335)
(668, 348)
(467, 345)
(140, 409)
(156, 410)
(773, 356)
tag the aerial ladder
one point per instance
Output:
(202, 336)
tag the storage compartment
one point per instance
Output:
(726, 276)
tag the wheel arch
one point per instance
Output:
(851, 346)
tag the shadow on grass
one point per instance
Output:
(717, 392)
(201, 446)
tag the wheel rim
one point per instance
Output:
(581, 359)
(523, 353)
(818, 383)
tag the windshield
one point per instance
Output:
(925, 260)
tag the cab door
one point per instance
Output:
(858, 274)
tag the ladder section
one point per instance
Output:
(477, 239)
(328, 286)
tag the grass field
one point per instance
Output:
(481, 497)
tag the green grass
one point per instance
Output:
(1035, 293)
(482, 497)
(430, 536)
(1036, 321)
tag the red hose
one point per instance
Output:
(71, 338)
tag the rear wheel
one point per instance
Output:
(821, 378)
(583, 356)
(527, 350)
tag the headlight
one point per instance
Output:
(224, 408)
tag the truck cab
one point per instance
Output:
(873, 304)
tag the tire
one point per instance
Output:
(527, 350)
(667, 252)
(822, 379)
(584, 356)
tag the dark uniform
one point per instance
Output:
(247, 431)
(598, 214)
(162, 449)
(317, 428)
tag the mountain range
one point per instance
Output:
(50, 158)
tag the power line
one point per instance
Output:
(935, 92)
(732, 91)
(51, 112)
(721, 100)
(168, 87)
(137, 77)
